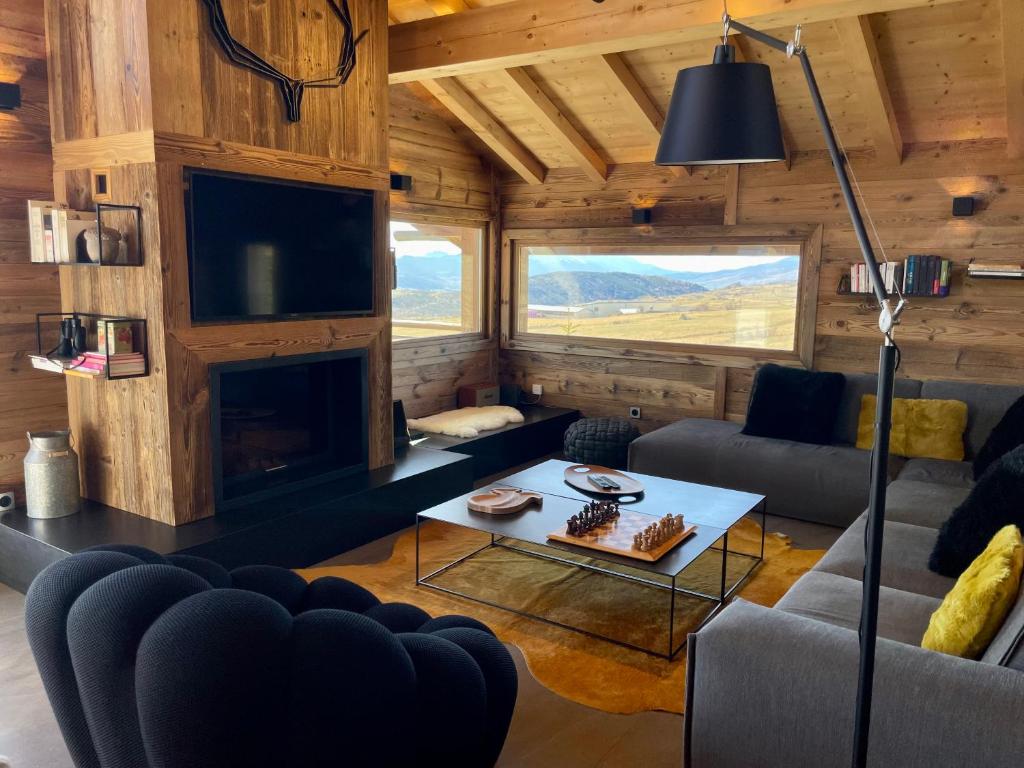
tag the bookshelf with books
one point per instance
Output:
(107, 236)
(919, 275)
(91, 346)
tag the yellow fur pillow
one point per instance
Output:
(974, 610)
(921, 429)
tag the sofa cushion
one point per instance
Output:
(1004, 437)
(856, 386)
(973, 612)
(1007, 647)
(794, 404)
(822, 483)
(923, 429)
(958, 473)
(922, 503)
(986, 405)
(905, 551)
(685, 450)
(902, 616)
(995, 501)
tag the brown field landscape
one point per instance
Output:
(757, 316)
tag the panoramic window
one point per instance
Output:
(733, 295)
(439, 278)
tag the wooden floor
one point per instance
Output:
(547, 730)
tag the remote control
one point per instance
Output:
(604, 482)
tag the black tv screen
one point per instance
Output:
(267, 249)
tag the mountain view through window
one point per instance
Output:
(438, 279)
(728, 295)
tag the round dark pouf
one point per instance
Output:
(600, 441)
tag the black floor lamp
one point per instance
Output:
(725, 113)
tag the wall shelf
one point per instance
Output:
(133, 238)
(72, 366)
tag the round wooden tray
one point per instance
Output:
(578, 476)
(503, 501)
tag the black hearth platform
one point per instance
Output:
(295, 531)
(540, 434)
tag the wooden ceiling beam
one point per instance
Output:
(474, 116)
(534, 31)
(539, 106)
(858, 40)
(635, 99)
(1013, 68)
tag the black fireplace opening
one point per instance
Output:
(283, 423)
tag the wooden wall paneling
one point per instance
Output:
(976, 334)
(568, 198)
(451, 183)
(145, 442)
(346, 124)
(122, 426)
(446, 173)
(1013, 74)
(191, 349)
(99, 67)
(29, 399)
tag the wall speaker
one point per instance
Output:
(6, 501)
(963, 206)
(642, 215)
(400, 182)
(10, 95)
(401, 428)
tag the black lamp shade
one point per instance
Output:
(720, 114)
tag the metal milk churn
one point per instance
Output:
(51, 475)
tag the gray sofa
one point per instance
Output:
(777, 686)
(822, 483)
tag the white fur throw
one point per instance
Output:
(468, 422)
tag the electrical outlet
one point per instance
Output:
(634, 411)
(538, 389)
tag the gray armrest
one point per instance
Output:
(767, 688)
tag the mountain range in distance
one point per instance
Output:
(443, 272)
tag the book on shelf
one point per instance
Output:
(982, 269)
(44, 363)
(40, 229)
(67, 226)
(127, 364)
(917, 275)
(115, 336)
(82, 373)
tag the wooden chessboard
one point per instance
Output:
(617, 537)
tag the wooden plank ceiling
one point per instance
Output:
(930, 71)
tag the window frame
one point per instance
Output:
(808, 237)
(484, 286)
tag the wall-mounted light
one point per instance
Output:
(400, 182)
(10, 95)
(643, 215)
(963, 206)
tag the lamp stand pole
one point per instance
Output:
(883, 409)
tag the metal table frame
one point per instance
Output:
(718, 601)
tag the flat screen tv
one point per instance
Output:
(265, 249)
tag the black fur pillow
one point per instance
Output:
(1007, 435)
(997, 500)
(794, 404)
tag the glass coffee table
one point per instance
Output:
(572, 586)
